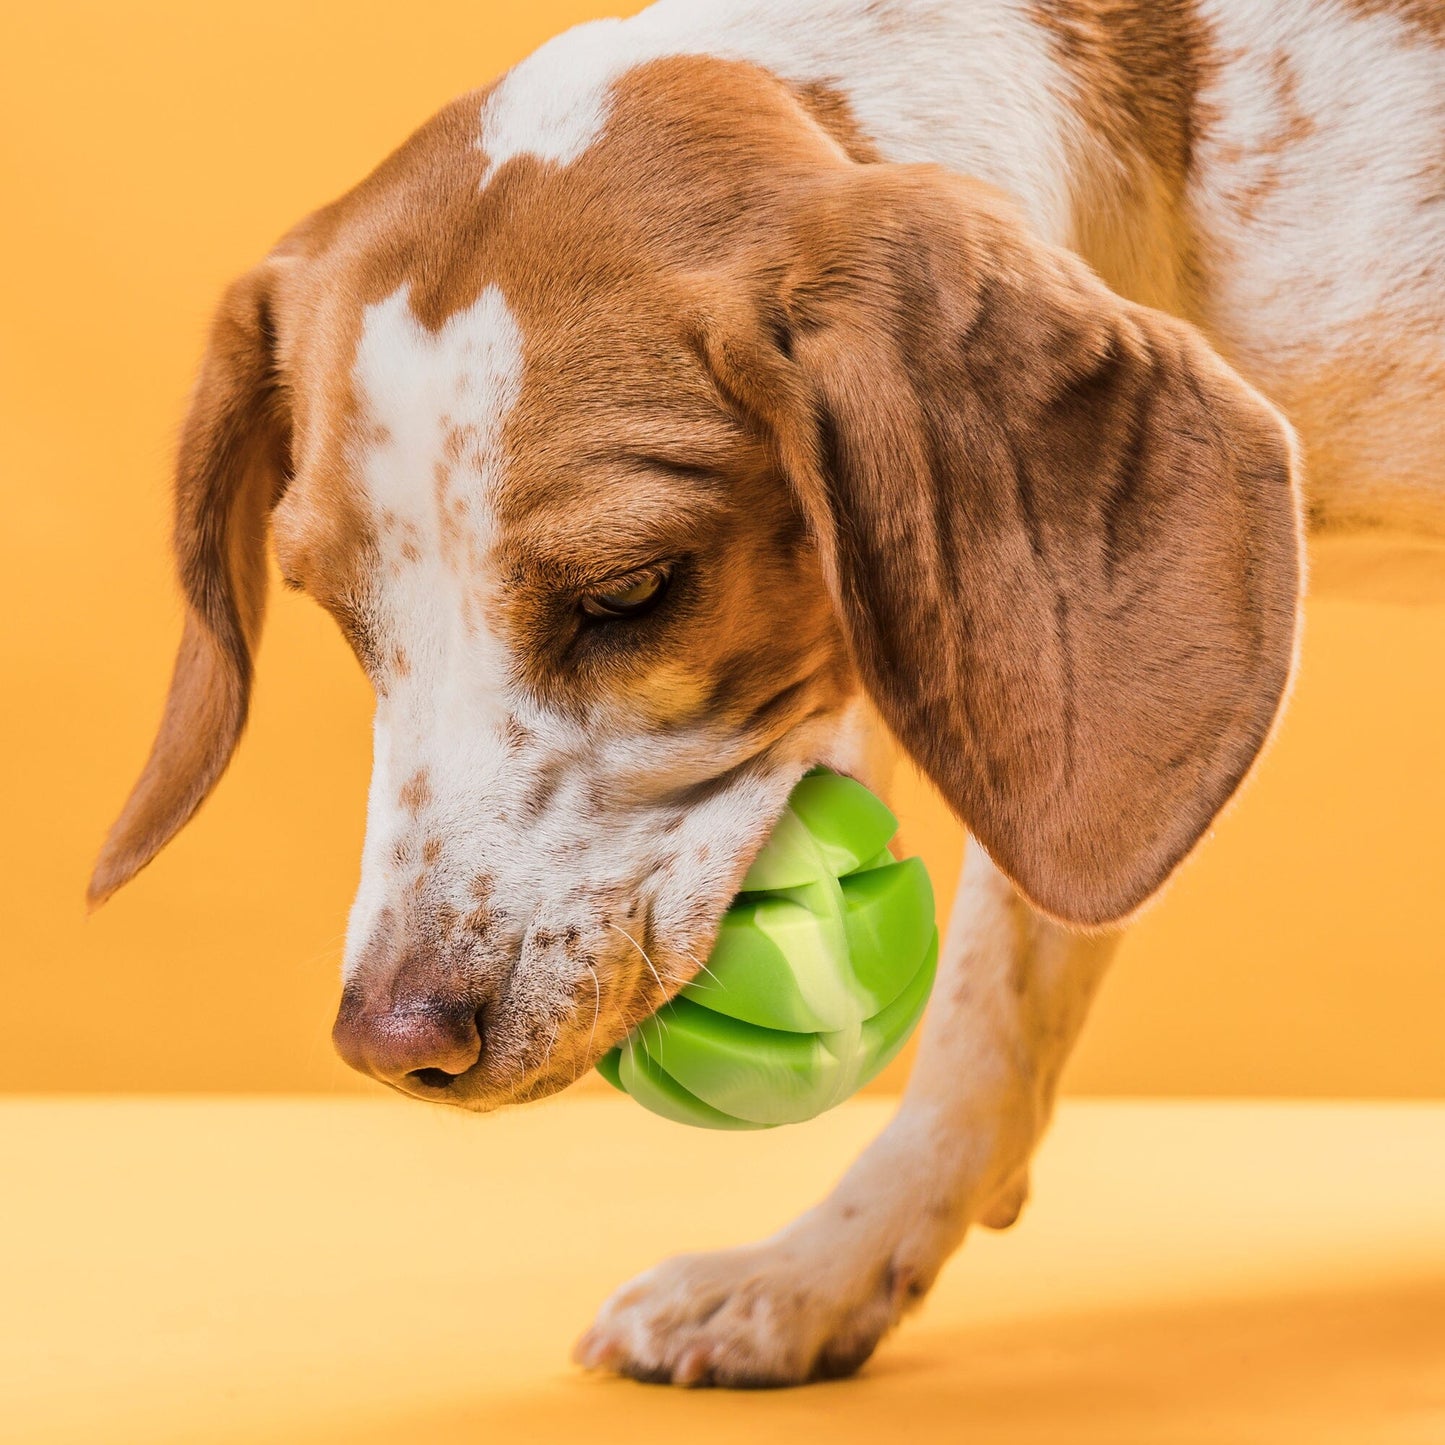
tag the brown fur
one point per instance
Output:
(1298, 125)
(1136, 69)
(1068, 580)
(1061, 536)
(1138, 66)
(231, 467)
(1425, 17)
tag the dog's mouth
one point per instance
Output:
(551, 1057)
(657, 977)
(528, 1054)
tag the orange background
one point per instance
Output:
(151, 151)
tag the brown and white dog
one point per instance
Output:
(719, 377)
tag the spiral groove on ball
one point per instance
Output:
(821, 970)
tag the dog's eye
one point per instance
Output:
(628, 596)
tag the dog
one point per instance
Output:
(743, 387)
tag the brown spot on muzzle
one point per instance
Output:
(415, 792)
(515, 734)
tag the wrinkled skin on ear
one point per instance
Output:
(1062, 536)
(231, 468)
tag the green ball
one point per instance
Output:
(821, 970)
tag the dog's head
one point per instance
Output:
(631, 474)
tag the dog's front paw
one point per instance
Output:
(773, 1314)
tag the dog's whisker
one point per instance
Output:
(661, 987)
(596, 1012)
(326, 951)
(666, 1000)
(702, 968)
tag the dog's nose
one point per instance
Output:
(421, 1046)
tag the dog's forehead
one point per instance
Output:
(432, 405)
(474, 322)
(494, 441)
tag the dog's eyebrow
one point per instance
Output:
(691, 467)
(691, 435)
(602, 531)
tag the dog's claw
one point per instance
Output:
(693, 1366)
(595, 1352)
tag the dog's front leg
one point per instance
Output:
(814, 1300)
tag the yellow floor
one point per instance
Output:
(372, 1272)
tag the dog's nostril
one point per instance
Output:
(425, 1046)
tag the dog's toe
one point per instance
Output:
(749, 1318)
(1003, 1211)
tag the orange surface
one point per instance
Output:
(347, 1272)
(152, 150)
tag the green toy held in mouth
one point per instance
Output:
(821, 971)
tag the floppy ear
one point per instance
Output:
(231, 469)
(1063, 537)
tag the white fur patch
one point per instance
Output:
(1313, 173)
(1320, 208)
(417, 384)
(435, 518)
(990, 111)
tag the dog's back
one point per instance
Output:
(1319, 190)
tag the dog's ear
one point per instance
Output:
(1063, 537)
(232, 466)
